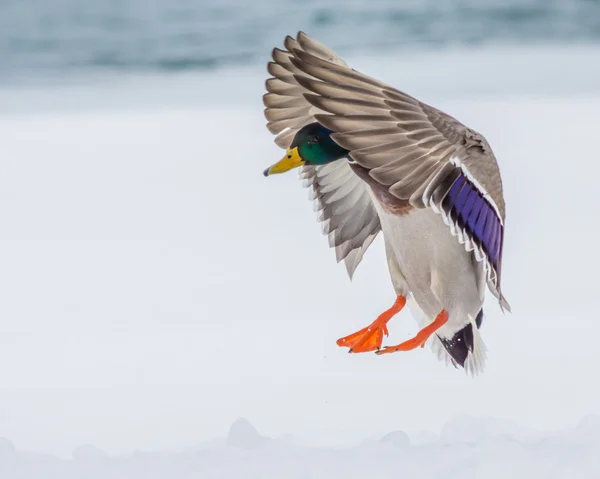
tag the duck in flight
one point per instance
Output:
(379, 160)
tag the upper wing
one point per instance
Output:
(418, 152)
(346, 210)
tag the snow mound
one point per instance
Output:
(244, 435)
(7, 448)
(396, 439)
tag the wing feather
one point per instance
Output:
(341, 199)
(346, 212)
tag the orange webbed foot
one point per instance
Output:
(421, 338)
(371, 337)
(367, 339)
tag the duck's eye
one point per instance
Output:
(315, 139)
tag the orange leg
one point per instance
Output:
(421, 337)
(370, 338)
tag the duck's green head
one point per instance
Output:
(312, 145)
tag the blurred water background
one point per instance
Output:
(42, 39)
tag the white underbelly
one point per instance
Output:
(439, 272)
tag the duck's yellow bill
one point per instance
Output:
(290, 161)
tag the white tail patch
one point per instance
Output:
(475, 363)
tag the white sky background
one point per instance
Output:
(154, 285)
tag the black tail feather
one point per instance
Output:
(462, 342)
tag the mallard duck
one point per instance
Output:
(379, 160)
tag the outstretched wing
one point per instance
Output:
(345, 208)
(342, 199)
(417, 152)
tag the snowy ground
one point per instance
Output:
(467, 448)
(155, 286)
